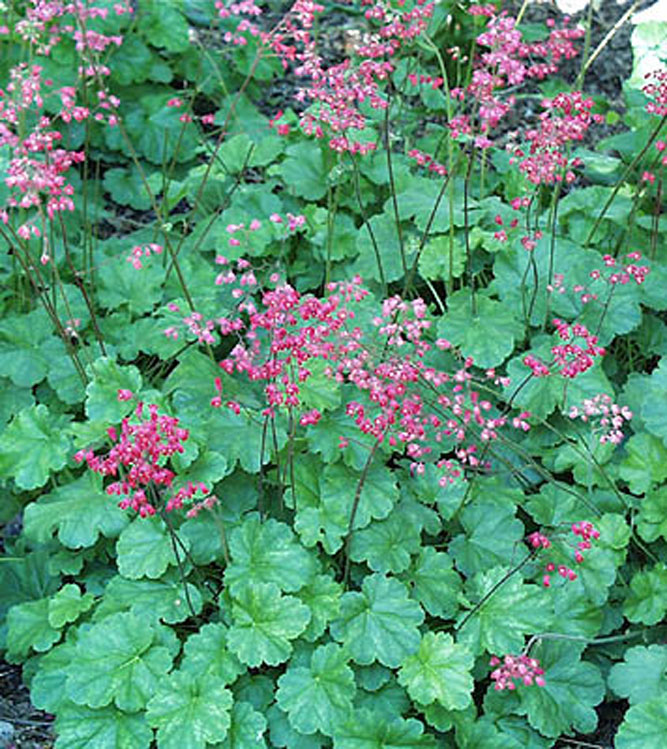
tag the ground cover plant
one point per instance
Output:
(333, 401)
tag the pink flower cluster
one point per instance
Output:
(566, 118)
(606, 415)
(139, 251)
(506, 65)
(338, 90)
(621, 274)
(656, 88)
(539, 541)
(570, 357)
(516, 669)
(36, 174)
(415, 408)
(139, 458)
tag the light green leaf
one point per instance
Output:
(378, 493)
(439, 671)
(80, 511)
(188, 712)
(320, 390)
(642, 675)
(653, 409)
(304, 170)
(108, 378)
(385, 234)
(267, 553)
(487, 335)
(117, 660)
(22, 337)
(511, 611)
(144, 549)
(319, 697)
(434, 583)
(206, 654)
(152, 600)
(127, 187)
(28, 627)
(247, 728)
(647, 601)
(322, 596)
(380, 623)
(645, 463)
(387, 545)
(492, 534)
(644, 725)
(165, 27)
(283, 735)
(79, 727)
(370, 730)
(264, 622)
(67, 605)
(239, 438)
(573, 688)
(652, 519)
(47, 688)
(33, 445)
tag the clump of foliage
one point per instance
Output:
(332, 418)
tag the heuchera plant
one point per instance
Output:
(332, 364)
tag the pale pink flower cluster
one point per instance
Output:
(606, 416)
(516, 669)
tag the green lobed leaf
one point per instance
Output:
(439, 671)
(304, 170)
(572, 690)
(283, 735)
(647, 600)
(267, 552)
(487, 334)
(28, 627)
(642, 675)
(206, 653)
(653, 409)
(152, 600)
(247, 728)
(379, 623)
(33, 445)
(644, 725)
(652, 518)
(387, 545)
(511, 611)
(645, 463)
(188, 712)
(318, 697)
(322, 596)
(434, 583)
(369, 730)
(492, 534)
(264, 622)
(79, 727)
(107, 378)
(47, 688)
(67, 605)
(144, 549)
(118, 660)
(22, 337)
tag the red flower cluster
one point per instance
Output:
(139, 457)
